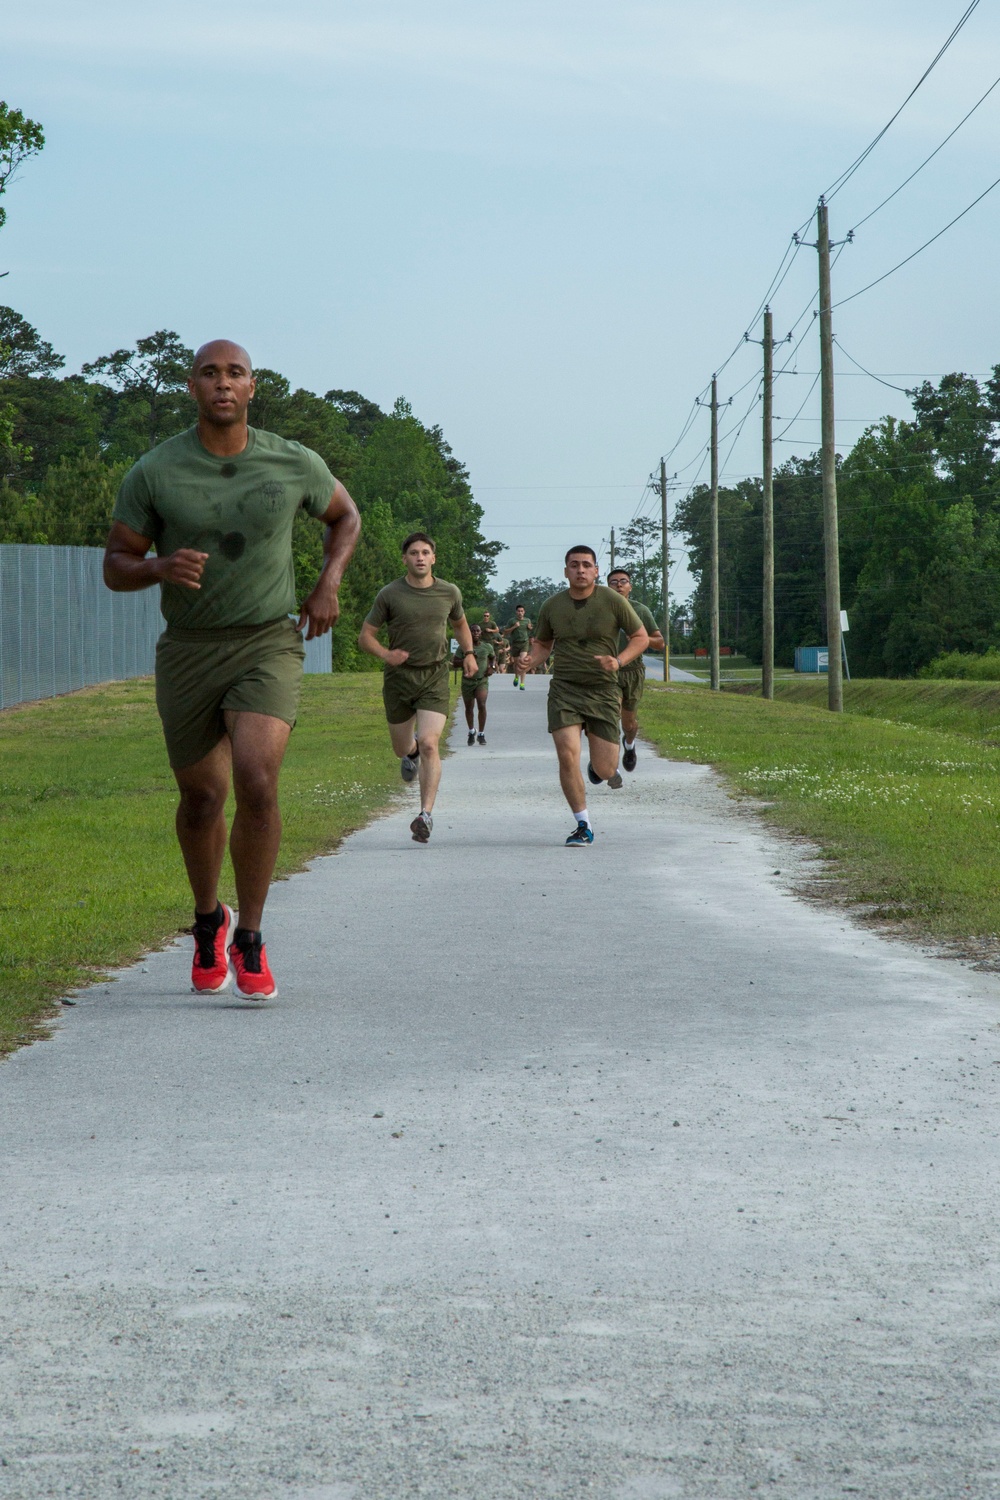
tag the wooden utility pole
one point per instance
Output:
(831, 544)
(665, 570)
(612, 567)
(767, 644)
(714, 574)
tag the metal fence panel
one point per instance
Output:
(61, 629)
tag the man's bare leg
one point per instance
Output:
(567, 742)
(402, 737)
(258, 748)
(603, 756)
(201, 822)
(481, 705)
(630, 724)
(429, 729)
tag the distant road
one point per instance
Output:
(654, 670)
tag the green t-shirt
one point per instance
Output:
(239, 510)
(646, 616)
(484, 653)
(491, 629)
(417, 620)
(583, 629)
(519, 632)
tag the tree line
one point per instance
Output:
(67, 440)
(919, 507)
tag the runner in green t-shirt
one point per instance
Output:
(419, 613)
(580, 626)
(633, 678)
(475, 689)
(217, 503)
(519, 633)
(491, 630)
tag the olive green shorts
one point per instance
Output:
(201, 673)
(405, 689)
(597, 709)
(633, 681)
(470, 689)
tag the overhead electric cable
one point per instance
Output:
(913, 255)
(887, 383)
(846, 175)
(906, 180)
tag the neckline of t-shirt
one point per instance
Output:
(230, 458)
(422, 588)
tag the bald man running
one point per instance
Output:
(217, 503)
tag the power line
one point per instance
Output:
(846, 175)
(913, 254)
(981, 100)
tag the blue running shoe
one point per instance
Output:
(582, 834)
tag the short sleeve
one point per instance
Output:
(319, 485)
(457, 611)
(543, 629)
(627, 617)
(379, 612)
(134, 504)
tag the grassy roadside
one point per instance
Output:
(958, 706)
(908, 815)
(91, 873)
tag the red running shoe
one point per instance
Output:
(254, 980)
(210, 973)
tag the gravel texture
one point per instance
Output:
(552, 1172)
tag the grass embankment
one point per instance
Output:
(971, 708)
(91, 872)
(907, 814)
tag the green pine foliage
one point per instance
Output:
(65, 443)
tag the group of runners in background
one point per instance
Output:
(208, 516)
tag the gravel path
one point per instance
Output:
(617, 1172)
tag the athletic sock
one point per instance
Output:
(213, 919)
(583, 817)
(630, 744)
(244, 937)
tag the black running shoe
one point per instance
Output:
(482, 739)
(472, 737)
(582, 834)
(593, 776)
(629, 758)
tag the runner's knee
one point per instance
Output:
(202, 804)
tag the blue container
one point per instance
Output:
(813, 659)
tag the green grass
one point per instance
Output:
(907, 815)
(91, 872)
(971, 708)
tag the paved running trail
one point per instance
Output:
(554, 1172)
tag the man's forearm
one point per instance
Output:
(124, 573)
(538, 652)
(368, 641)
(463, 636)
(339, 541)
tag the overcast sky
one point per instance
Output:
(543, 223)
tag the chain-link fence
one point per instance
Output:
(61, 629)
